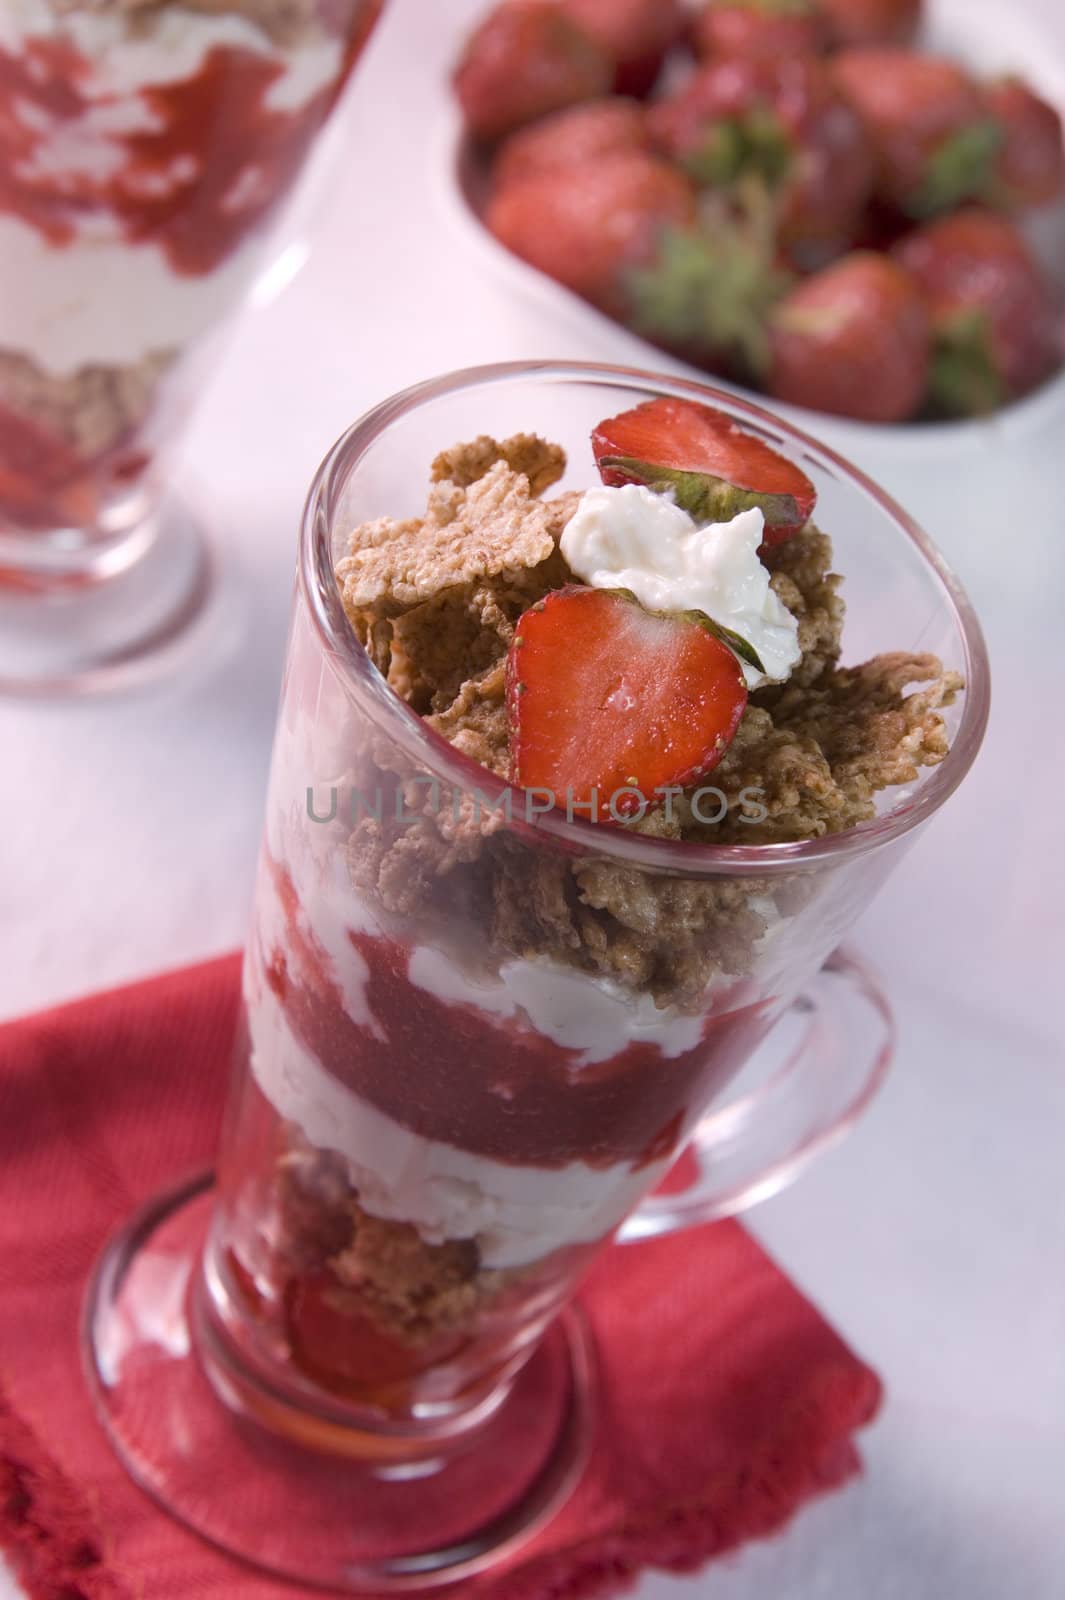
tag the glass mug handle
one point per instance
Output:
(831, 1050)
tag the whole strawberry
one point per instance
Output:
(783, 124)
(710, 466)
(707, 293)
(759, 30)
(993, 315)
(1030, 168)
(935, 141)
(637, 35)
(526, 59)
(575, 137)
(864, 22)
(588, 227)
(853, 340)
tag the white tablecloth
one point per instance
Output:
(935, 1237)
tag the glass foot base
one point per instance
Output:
(114, 625)
(377, 1517)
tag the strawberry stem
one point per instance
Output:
(711, 289)
(772, 8)
(962, 168)
(965, 380)
(703, 496)
(735, 641)
(754, 145)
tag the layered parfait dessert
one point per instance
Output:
(143, 146)
(474, 1043)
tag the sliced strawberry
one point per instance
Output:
(603, 696)
(714, 469)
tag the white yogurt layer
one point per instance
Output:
(595, 1016)
(324, 918)
(592, 1016)
(516, 1214)
(99, 300)
(632, 538)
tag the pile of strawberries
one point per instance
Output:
(786, 192)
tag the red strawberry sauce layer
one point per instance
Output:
(33, 466)
(213, 162)
(44, 483)
(452, 1073)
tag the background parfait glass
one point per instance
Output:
(145, 149)
(372, 1338)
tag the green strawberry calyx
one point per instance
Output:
(735, 642)
(703, 496)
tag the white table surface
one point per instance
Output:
(935, 1236)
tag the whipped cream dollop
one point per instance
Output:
(633, 538)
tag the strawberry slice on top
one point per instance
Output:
(714, 469)
(608, 701)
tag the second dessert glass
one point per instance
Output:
(367, 1330)
(145, 151)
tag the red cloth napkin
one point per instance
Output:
(727, 1400)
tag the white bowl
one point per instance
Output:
(977, 472)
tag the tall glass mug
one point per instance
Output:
(145, 148)
(435, 1127)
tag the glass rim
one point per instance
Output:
(318, 586)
